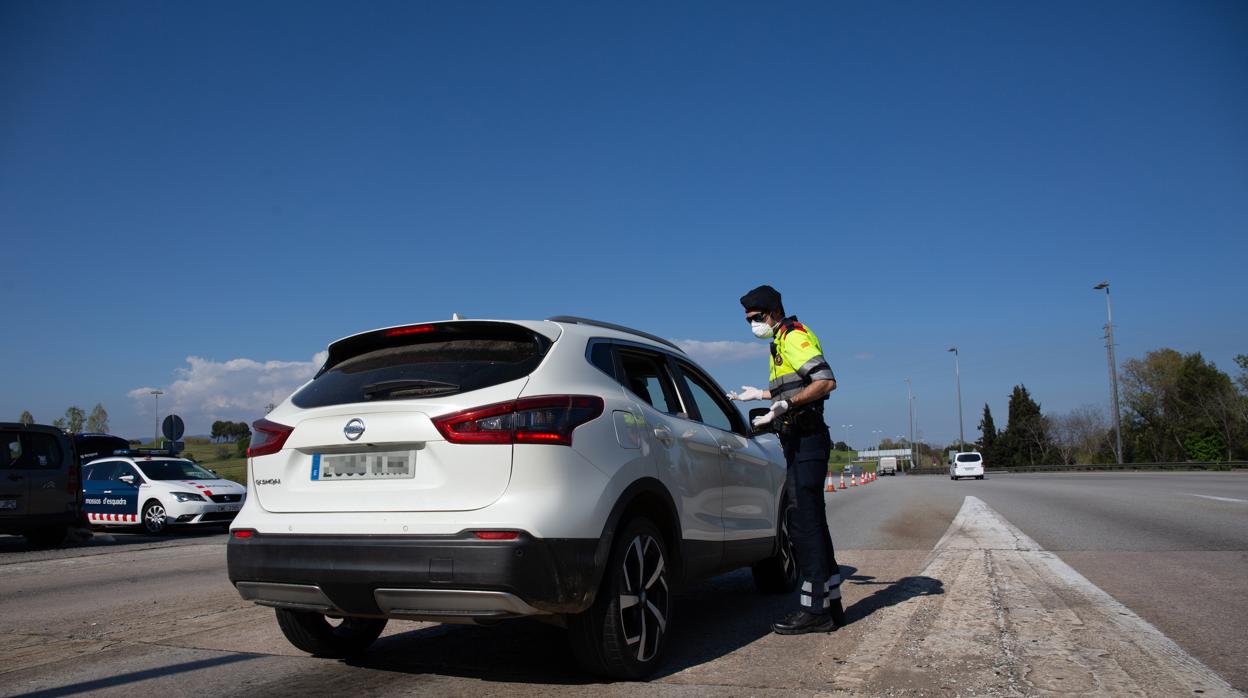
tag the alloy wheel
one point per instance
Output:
(154, 518)
(644, 597)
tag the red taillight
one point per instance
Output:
(496, 535)
(410, 329)
(549, 419)
(269, 437)
(243, 533)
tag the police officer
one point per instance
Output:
(800, 383)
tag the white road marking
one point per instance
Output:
(993, 612)
(1216, 499)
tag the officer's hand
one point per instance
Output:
(777, 409)
(748, 393)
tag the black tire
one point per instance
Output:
(778, 574)
(979, 477)
(622, 634)
(312, 632)
(49, 537)
(153, 518)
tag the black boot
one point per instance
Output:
(800, 622)
(837, 611)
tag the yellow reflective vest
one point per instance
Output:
(796, 360)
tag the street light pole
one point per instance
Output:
(1113, 364)
(156, 438)
(910, 406)
(957, 370)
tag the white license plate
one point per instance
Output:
(229, 507)
(379, 465)
(8, 503)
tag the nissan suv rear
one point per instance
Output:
(477, 471)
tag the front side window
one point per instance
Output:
(646, 376)
(175, 470)
(713, 412)
(124, 469)
(42, 451)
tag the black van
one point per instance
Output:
(40, 483)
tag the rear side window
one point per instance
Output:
(97, 472)
(407, 364)
(11, 456)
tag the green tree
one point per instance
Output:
(74, 417)
(1026, 437)
(98, 421)
(1176, 402)
(987, 436)
(59, 423)
(26, 418)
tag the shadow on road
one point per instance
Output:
(714, 618)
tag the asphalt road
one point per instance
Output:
(126, 613)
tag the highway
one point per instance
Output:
(1015, 585)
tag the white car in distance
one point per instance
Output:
(966, 464)
(474, 471)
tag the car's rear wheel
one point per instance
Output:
(313, 633)
(778, 574)
(623, 634)
(154, 518)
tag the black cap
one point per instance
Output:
(762, 298)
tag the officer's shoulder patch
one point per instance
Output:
(805, 345)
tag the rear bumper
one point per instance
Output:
(429, 577)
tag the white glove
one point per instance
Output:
(777, 409)
(747, 394)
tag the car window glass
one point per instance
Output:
(11, 456)
(101, 471)
(42, 451)
(175, 470)
(647, 378)
(713, 413)
(600, 356)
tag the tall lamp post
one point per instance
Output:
(957, 372)
(910, 406)
(1113, 365)
(847, 427)
(156, 438)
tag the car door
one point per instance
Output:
(687, 459)
(96, 479)
(749, 479)
(13, 480)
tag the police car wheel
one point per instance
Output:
(623, 634)
(154, 518)
(779, 574)
(313, 633)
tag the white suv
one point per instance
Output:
(966, 464)
(474, 471)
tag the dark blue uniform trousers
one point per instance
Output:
(806, 455)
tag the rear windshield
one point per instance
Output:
(968, 458)
(449, 360)
(175, 470)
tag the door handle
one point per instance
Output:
(726, 450)
(663, 434)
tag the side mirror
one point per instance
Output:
(128, 479)
(758, 412)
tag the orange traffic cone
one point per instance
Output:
(853, 480)
(828, 485)
(842, 479)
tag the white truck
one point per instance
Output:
(887, 466)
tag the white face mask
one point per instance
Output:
(761, 329)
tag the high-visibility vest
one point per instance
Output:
(796, 360)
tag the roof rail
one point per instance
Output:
(571, 319)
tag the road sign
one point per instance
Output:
(172, 427)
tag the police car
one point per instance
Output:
(155, 490)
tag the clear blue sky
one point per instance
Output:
(240, 180)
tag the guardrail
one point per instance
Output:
(1090, 467)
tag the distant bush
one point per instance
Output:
(242, 444)
(223, 452)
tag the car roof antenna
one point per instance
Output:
(456, 316)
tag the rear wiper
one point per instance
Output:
(409, 387)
